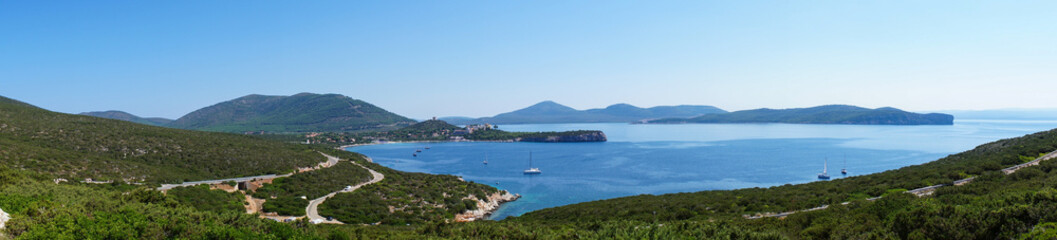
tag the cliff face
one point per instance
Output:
(592, 136)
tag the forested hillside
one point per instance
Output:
(304, 112)
(78, 147)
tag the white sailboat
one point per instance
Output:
(532, 170)
(824, 175)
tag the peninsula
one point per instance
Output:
(440, 131)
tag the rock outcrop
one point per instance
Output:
(485, 208)
(3, 218)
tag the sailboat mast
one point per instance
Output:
(826, 162)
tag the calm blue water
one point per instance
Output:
(657, 159)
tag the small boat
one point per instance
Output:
(532, 170)
(414, 154)
(427, 148)
(418, 150)
(485, 159)
(844, 171)
(824, 175)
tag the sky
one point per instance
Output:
(480, 58)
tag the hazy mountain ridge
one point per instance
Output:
(124, 116)
(304, 112)
(827, 114)
(552, 112)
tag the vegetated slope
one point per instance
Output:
(304, 112)
(41, 209)
(406, 198)
(77, 146)
(1022, 205)
(202, 198)
(829, 114)
(551, 112)
(124, 116)
(284, 194)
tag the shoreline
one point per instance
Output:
(491, 206)
(485, 209)
(343, 147)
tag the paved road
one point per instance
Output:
(920, 192)
(331, 160)
(218, 181)
(312, 209)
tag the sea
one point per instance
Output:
(658, 159)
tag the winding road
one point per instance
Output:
(331, 161)
(312, 209)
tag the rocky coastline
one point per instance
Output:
(486, 208)
(3, 218)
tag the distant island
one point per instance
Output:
(828, 114)
(440, 131)
(552, 112)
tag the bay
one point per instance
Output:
(659, 159)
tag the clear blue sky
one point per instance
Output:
(480, 58)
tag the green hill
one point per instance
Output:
(829, 114)
(428, 126)
(124, 116)
(304, 112)
(78, 146)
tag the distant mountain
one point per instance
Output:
(304, 112)
(551, 112)
(829, 114)
(124, 116)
